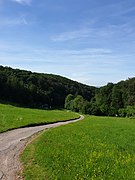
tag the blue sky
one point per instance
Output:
(90, 41)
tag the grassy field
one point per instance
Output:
(13, 117)
(97, 148)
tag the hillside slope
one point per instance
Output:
(40, 90)
(37, 89)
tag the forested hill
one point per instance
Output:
(39, 90)
(117, 98)
(110, 100)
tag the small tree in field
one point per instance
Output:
(75, 104)
(78, 103)
(69, 101)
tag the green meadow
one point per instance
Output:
(96, 148)
(12, 117)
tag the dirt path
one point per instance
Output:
(13, 142)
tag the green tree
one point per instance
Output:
(104, 98)
(78, 103)
(122, 112)
(117, 101)
(130, 111)
(69, 101)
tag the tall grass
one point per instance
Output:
(97, 148)
(13, 117)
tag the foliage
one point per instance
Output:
(114, 99)
(129, 111)
(76, 103)
(46, 91)
(13, 117)
(37, 89)
(122, 112)
(109, 100)
(95, 148)
(68, 101)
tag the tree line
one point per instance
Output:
(39, 90)
(110, 100)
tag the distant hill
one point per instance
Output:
(47, 91)
(39, 90)
(117, 97)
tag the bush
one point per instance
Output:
(122, 112)
(129, 111)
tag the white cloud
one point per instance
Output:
(27, 2)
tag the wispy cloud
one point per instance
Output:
(121, 8)
(70, 35)
(85, 65)
(6, 21)
(106, 31)
(94, 57)
(53, 55)
(25, 2)
(112, 9)
(112, 21)
(73, 56)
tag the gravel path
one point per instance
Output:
(12, 144)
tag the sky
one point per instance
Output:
(89, 41)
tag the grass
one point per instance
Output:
(13, 117)
(97, 148)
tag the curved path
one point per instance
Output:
(12, 144)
